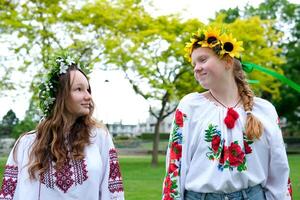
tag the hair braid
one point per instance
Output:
(254, 127)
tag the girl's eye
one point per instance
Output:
(202, 59)
(78, 89)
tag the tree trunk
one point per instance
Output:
(154, 161)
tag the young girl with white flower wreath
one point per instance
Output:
(225, 143)
(69, 155)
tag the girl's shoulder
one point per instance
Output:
(99, 133)
(264, 105)
(27, 138)
(265, 110)
(193, 98)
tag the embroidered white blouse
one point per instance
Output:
(96, 177)
(205, 156)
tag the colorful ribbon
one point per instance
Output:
(249, 67)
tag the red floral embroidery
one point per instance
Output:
(168, 190)
(74, 171)
(290, 190)
(248, 149)
(9, 182)
(224, 155)
(215, 143)
(228, 156)
(171, 188)
(179, 118)
(236, 155)
(115, 183)
(176, 150)
(172, 168)
(230, 118)
(64, 178)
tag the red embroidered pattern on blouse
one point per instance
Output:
(73, 172)
(47, 177)
(80, 171)
(64, 178)
(115, 183)
(9, 183)
(231, 156)
(290, 190)
(171, 184)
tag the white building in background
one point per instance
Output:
(119, 128)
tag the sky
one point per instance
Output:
(114, 98)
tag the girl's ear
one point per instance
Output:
(229, 62)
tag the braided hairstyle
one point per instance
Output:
(254, 127)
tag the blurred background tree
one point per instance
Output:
(7, 124)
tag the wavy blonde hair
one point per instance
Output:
(51, 132)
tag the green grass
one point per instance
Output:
(141, 181)
(294, 162)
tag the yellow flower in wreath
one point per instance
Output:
(212, 37)
(231, 46)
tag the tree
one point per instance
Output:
(29, 122)
(8, 122)
(153, 61)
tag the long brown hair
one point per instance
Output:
(254, 127)
(49, 144)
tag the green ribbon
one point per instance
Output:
(249, 67)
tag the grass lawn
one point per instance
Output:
(141, 181)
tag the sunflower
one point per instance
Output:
(231, 46)
(212, 37)
(189, 48)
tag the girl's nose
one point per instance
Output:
(87, 95)
(198, 67)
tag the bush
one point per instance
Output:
(292, 140)
(150, 136)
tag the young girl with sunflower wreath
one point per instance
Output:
(69, 155)
(225, 143)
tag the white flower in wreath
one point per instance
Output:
(69, 60)
(49, 101)
(63, 68)
(59, 60)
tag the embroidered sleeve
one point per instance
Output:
(171, 185)
(10, 179)
(9, 182)
(112, 184)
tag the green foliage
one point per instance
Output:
(8, 122)
(149, 136)
(27, 124)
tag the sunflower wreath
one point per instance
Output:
(220, 43)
